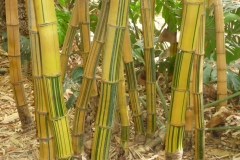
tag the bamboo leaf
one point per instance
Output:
(229, 17)
(71, 101)
(77, 74)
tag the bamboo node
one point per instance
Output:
(47, 24)
(200, 129)
(18, 55)
(109, 82)
(45, 139)
(194, 3)
(73, 26)
(12, 24)
(101, 42)
(42, 113)
(90, 78)
(52, 76)
(77, 134)
(190, 52)
(118, 27)
(177, 125)
(37, 77)
(104, 127)
(80, 109)
(86, 22)
(199, 54)
(180, 90)
(58, 118)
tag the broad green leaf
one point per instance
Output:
(77, 74)
(229, 17)
(233, 81)
(207, 73)
(71, 101)
(62, 2)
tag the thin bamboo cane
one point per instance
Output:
(112, 58)
(15, 62)
(220, 51)
(146, 13)
(68, 41)
(132, 85)
(84, 25)
(88, 78)
(123, 109)
(198, 92)
(44, 129)
(47, 27)
(193, 9)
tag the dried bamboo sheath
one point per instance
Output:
(15, 62)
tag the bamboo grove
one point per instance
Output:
(112, 41)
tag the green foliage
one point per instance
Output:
(77, 74)
(72, 86)
(210, 74)
(167, 64)
(24, 46)
(63, 17)
(171, 12)
(232, 30)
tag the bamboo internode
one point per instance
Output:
(15, 62)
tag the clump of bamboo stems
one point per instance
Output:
(181, 78)
(220, 51)
(88, 79)
(15, 62)
(198, 92)
(132, 85)
(79, 19)
(50, 61)
(112, 58)
(147, 19)
(44, 130)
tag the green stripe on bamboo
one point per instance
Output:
(123, 109)
(112, 58)
(132, 85)
(88, 78)
(47, 27)
(147, 19)
(15, 62)
(180, 85)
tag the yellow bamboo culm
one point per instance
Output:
(132, 86)
(220, 51)
(117, 20)
(198, 92)
(123, 109)
(146, 13)
(44, 130)
(68, 40)
(15, 62)
(84, 25)
(192, 12)
(47, 27)
(88, 80)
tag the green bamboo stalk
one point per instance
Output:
(44, 130)
(193, 9)
(221, 100)
(123, 110)
(88, 78)
(222, 128)
(198, 92)
(84, 25)
(68, 41)
(15, 62)
(220, 51)
(132, 85)
(47, 27)
(147, 20)
(112, 58)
